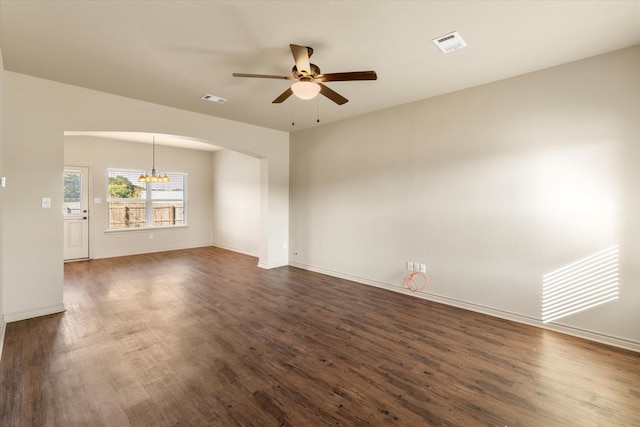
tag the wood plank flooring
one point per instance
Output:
(203, 337)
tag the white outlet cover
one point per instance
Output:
(46, 202)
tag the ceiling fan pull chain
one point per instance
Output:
(293, 115)
(318, 111)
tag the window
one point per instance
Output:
(72, 183)
(133, 204)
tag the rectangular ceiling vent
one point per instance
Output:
(213, 98)
(450, 42)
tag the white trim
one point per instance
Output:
(144, 229)
(153, 251)
(148, 202)
(228, 248)
(29, 314)
(3, 329)
(519, 318)
(270, 266)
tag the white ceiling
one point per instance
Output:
(173, 52)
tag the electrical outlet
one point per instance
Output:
(409, 266)
(423, 268)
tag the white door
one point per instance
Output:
(76, 213)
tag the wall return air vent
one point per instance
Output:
(450, 42)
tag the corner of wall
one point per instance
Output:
(2, 322)
(3, 328)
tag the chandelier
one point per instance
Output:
(153, 175)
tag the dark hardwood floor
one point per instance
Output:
(203, 337)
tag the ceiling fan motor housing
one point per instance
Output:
(315, 71)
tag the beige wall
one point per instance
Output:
(98, 154)
(37, 112)
(32, 253)
(2, 323)
(491, 187)
(236, 202)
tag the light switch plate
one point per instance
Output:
(46, 202)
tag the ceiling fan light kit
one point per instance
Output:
(309, 78)
(305, 90)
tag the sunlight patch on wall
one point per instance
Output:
(581, 285)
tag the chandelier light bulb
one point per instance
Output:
(153, 176)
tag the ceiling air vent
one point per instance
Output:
(449, 42)
(213, 98)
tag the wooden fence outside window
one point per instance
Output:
(133, 215)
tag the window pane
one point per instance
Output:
(172, 190)
(72, 184)
(125, 185)
(127, 215)
(133, 204)
(167, 214)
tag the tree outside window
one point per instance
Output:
(72, 192)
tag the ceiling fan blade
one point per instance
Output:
(343, 77)
(263, 76)
(284, 95)
(301, 56)
(332, 95)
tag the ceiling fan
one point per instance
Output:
(309, 78)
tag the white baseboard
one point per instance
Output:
(266, 266)
(240, 251)
(29, 314)
(565, 329)
(3, 328)
(227, 248)
(23, 315)
(142, 252)
(270, 266)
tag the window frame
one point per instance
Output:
(148, 201)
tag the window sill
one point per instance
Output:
(144, 229)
